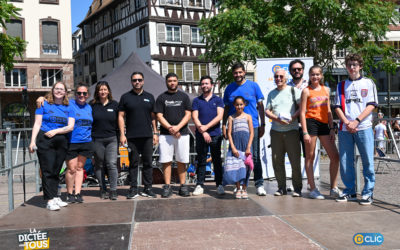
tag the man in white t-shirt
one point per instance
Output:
(380, 135)
(355, 99)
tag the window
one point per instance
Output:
(196, 3)
(196, 35)
(140, 3)
(103, 54)
(117, 48)
(50, 77)
(144, 36)
(177, 68)
(173, 2)
(199, 70)
(16, 78)
(86, 59)
(49, 1)
(14, 28)
(16, 0)
(173, 33)
(341, 53)
(50, 43)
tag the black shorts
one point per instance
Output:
(315, 127)
(84, 149)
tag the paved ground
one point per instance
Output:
(210, 221)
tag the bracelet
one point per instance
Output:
(358, 120)
(305, 133)
(156, 133)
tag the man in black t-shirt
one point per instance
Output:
(137, 106)
(173, 110)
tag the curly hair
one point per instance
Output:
(50, 95)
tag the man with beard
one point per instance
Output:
(137, 106)
(173, 112)
(251, 92)
(208, 110)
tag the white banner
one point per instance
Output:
(265, 78)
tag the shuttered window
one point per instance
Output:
(14, 28)
(50, 43)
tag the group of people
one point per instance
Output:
(73, 130)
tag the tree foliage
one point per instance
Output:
(10, 46)
(245, 30)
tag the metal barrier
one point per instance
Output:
(6, 163)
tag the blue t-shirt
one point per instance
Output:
(54, 116)
(251, 92)
(83, 123)
(208, 111)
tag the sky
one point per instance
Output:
(79, 8)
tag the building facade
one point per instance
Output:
(46, 60)
(164, 33)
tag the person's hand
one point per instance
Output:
(177, 135)
(332, 136)
(40, 101)
(155, 139)
(207, 137)
(173, 130)
(51, 133)
(32, 147)
(225, 132)
(247, 152)
(261, 131)
(352, 126)
(307, 138)
(122, 140)
(202, 129)
(283, 122)
(235, 152)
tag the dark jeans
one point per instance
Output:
(258, 173)
(143, 146)
(105, 155)
(51, 153)
(202, 150)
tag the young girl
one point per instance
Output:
(240, 135)
(316, 121)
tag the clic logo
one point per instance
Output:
(368, 239)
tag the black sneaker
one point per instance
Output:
(280, 192)
(347, 197)
(133, 193)
(148, 192)
(366, 200)
(103, 194)
(167, 191)
(70, 198)
(184, 191)
(78, 198)
(113, 195)
(296, 193)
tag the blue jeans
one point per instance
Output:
(364, 139)
(258, 174)
(202, 150)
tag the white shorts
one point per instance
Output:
(169, 145)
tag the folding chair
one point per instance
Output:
(381, 159)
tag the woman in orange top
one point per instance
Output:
(316, 121)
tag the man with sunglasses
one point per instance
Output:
(137, 108)
(281, 109)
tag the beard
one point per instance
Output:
(297, 78)
(172, 88)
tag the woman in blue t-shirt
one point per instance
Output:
(80, 144)
(104, 133)
(53, 120)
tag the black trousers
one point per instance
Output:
(143, 146)
(51, 153)
(202, 150)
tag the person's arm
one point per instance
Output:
(40, 101)
(182, 123)
(386, 135)
(63, 130)
(121, 125)
(303, 109)
(215, 121)
(155, 129)
(233, 148)
(224, 119)
(261, 113)
(161, 119)
(251, 136)
(35, 131)
(274, 117)
(352, 125)
(200, 127)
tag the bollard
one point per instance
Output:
(10, 170)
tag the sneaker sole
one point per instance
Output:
(132, 197)
(146, 195)
(261, 194)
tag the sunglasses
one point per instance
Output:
(279, 76)
(136, 80)
(81, 93)
(297, 69)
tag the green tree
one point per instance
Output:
(10, 47)
(250, 29)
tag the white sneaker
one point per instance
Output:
(335, 192)
(59, 202)
(315, 194)
(52, 206)
(198, 190)
(261, 191)
(220, 190)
